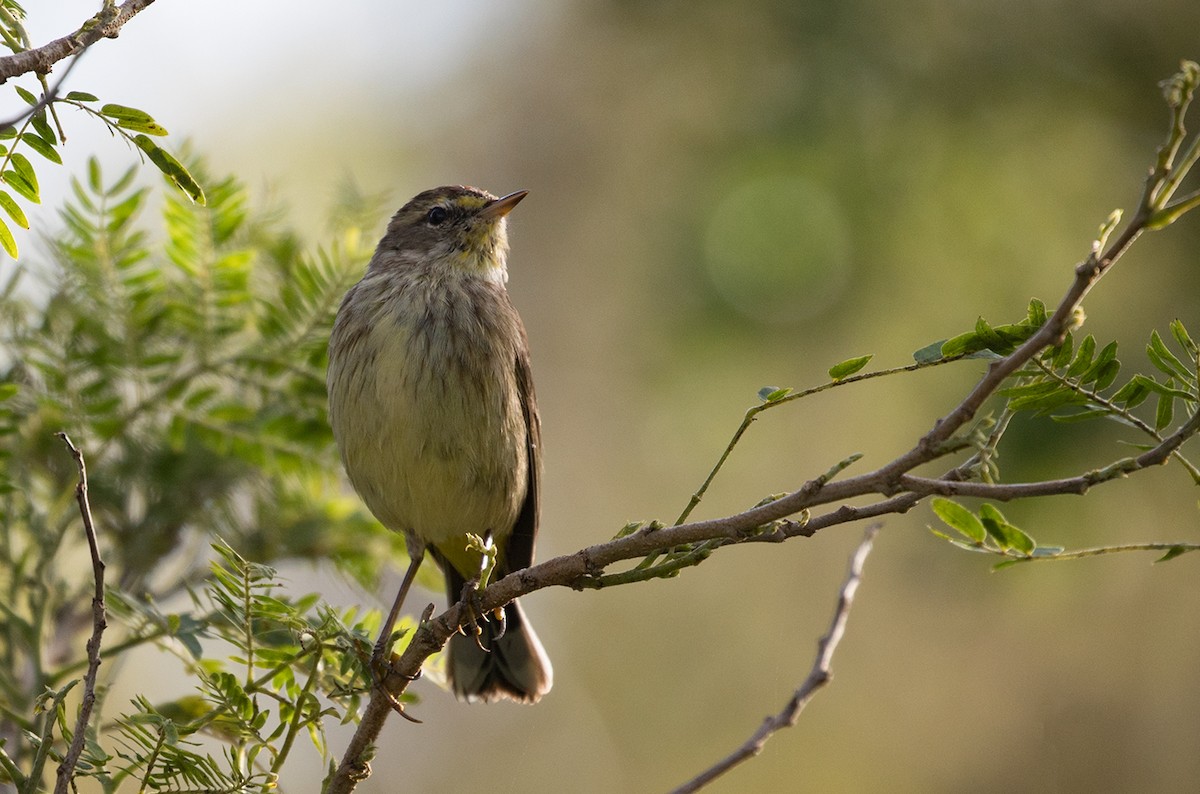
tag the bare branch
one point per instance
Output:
(817, 678)
(105, 24)
(99, 622)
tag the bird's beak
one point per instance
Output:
(503, 205)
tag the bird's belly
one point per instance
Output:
(434, 454)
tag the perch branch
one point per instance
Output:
(107, 23)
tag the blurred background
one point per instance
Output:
(724, 196)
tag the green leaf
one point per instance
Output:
(989, 337)
(1045, 403)
(94, 180)
(1036, 389)
(10, 206)
(1183, 338)
(930, 353)
(1081, 416)
(770, 394)
(8, 133)
(1161, 357)
(959, 518)
(29, 98)
(40, 146)
(1005, 535)
(23, 188)
(125, 113)
(962, 544)
(962, 344)
(82, 96)
(1107, 374)
(1007, 564)
(849, 366)
(1173, 552)
(1133, 393)
(6, 240)
(43, 128)
(172, 168)
(22, 166)
(1108, 354)
(1036, 316)
(1083, 357)
(1167, 388)
(1062, 354)
(1165, 411)
(148, 127)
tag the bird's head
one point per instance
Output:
(454, 228)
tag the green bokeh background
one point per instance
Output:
(728, 195)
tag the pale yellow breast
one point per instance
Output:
(429, 421)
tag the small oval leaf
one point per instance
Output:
(959, 518)
(848, 367)
(7, 241)
(40, 146)
(10, 206)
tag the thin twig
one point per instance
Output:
(105, 24)
(817, 678)
(66, 769)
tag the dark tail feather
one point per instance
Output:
(514, 666)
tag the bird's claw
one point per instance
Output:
(473, 612)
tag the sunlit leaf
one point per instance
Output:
(13, 210)
(23, 168)
(21, 186)
(959, 518)
(1006, 535)
(171, 167)
(849, 366)
(6, 240)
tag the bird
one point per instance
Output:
(432, 406)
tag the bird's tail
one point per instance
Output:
(513, 666)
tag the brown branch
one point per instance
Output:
(817, 678)
(99, 622)
(105, 24)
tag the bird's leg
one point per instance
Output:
(416, 553)
(469, 597)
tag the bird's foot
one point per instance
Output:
(473, 612)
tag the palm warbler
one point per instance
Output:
(432, 405)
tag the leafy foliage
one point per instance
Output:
(292, 659)
(34, 132)
(188, 363)
(1074, 382)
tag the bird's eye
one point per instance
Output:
(437, 216)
